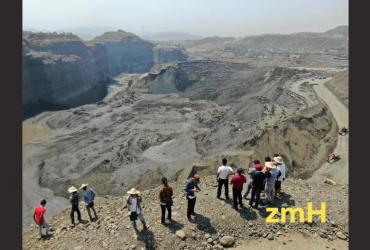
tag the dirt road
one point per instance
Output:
(337, 171)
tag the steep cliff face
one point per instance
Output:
(164, 54)
(126, 52)
(60, 71)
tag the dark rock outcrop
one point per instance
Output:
(126, 52)
(164, 54)
(60, 71)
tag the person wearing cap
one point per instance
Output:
(270, 181)
(165, 199)
(191, 189)
(251, 172)
(238, 181)
(282, 168)
(223, 173)
(38, 217)
(258, 185)
(74, 199)
(133, 203)
(89, 196)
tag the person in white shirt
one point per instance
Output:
(223, 173)
(133, 203)
(282, 168)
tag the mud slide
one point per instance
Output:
(337, 171)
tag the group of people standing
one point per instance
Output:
(267, 179)
(88, 195)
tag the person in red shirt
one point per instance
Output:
(39, 218)
(238, 181)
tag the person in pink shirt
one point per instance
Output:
(238, 181)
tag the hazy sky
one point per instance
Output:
(200, 17)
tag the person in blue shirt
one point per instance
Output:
(88, 197)
(192, 189)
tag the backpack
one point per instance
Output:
(92, 194)
(185, 187)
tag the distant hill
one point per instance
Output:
(114, 36)
(338, 31)
(171, 36)
(88, 33)
(269, 45)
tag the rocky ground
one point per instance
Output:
(217, 224)
(236, 98)
(164, 121)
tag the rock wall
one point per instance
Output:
(126, 52)
(165, 54)
(303, 140)
(60, 71)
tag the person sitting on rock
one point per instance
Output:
(223, 173)
(89, 196)
(133, 203)
(251, 172)
(282, 168)
(238, 181)
(165, 199)
(38, 217)
(191, 189)
(257, 185)
(74, 199)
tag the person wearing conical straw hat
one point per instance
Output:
(282, 168)
(74, 199)
(89, 196)
(272, 175)
(135, 211)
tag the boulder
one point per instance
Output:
(270, 237)
(227, 241)
(341, 235)
(181, 234)
(330, 182)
